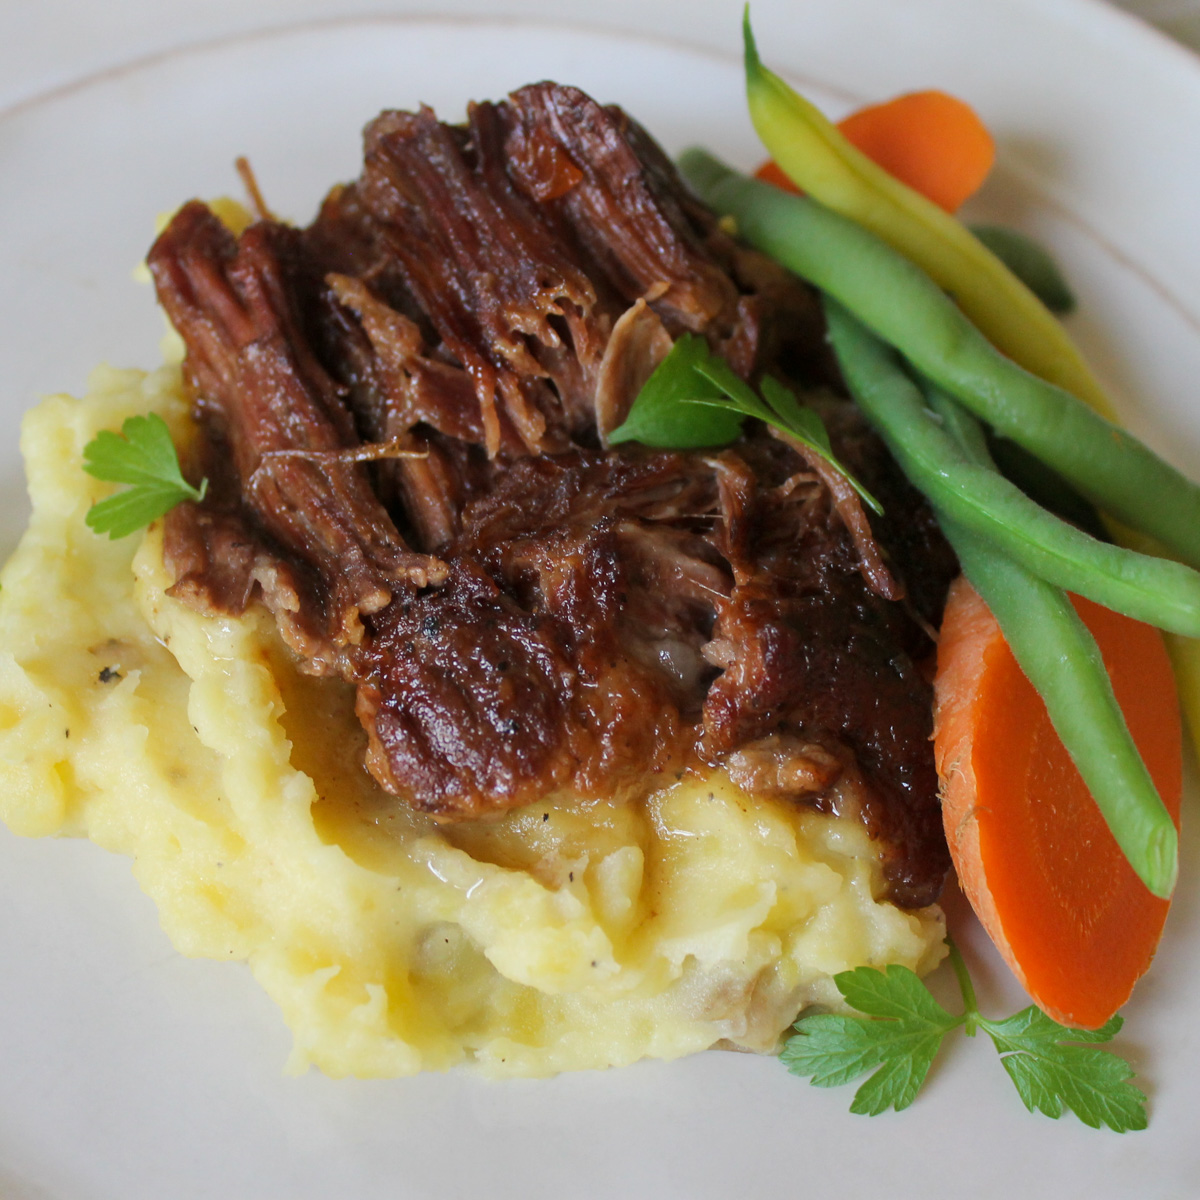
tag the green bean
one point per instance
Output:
(1047, 487)
(964, 429)
(905, 307)
(1030, 263)
(959, 480)
(1042, 485)
(1045, 634)
(1061, 659)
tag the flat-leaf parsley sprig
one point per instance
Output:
(695, 399)
(1052, 1066)
(143, 456)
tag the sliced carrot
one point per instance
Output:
(1033, 854)
(931, 141)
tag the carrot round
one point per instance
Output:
(1033, 854)
(931, 141)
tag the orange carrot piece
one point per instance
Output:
(931, 141)
(1033, 854)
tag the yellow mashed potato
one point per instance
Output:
(568, 935)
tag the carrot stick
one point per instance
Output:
(933, 142)
(1032, 852)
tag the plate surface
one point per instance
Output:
(127, 1071)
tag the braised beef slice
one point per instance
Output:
(623, 210)
(501, 291)
(521, 610)
(263, 395)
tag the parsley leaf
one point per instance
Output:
(1050, 1069)
(903, 1030)
(902, 1026)
(143, 456)
(669, 410)
(663, 413)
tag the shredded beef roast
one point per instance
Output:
(404, 411)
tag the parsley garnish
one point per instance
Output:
(664, 412)
(668, 411)
(143, 456)
(1053, 1067)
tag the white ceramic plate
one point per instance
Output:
(127, 1071)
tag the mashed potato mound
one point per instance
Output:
(571, 934)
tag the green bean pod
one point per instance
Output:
(1051, 644)
(906, 308)
(1060, 658)
(954, 470)
(965, 431)
(1031, 264)
(1045, 633)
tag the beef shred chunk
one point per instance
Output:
(403, 412)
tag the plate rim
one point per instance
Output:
(206, 45)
